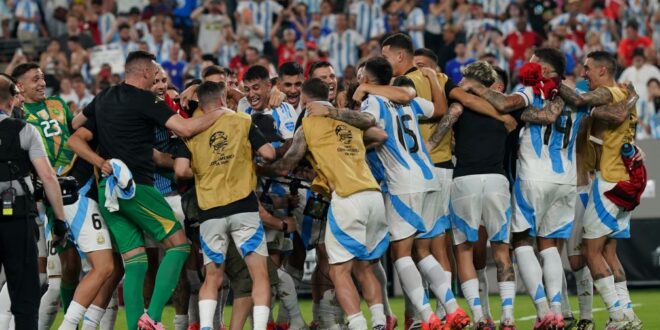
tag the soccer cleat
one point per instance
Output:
(193, 326)
(146, 323)
(434, 323)
(507, 325)
(457, 320)
(618, 325)
(391, 322)
(569, 321)
(313, 325)
(490, 324)
(585, 325)
(378, 327)
(282, 326)
(548, 322)
(636, 323)
(412, 324)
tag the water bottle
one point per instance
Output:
(628, 150)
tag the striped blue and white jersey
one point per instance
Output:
(343, 49)
(547, 152)
(406, 162)
(27, 9)
(369, 18)
(285, 117)
(416, 18)
(262, 14)
(105, 23)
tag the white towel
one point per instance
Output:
(118, 185)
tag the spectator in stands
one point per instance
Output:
(632, 41)
(327, 18)
(84, 97)
(604, 26)
(125, 42)
(513, 12)
(159, 43)
(495, 8)
(640, 73)
(315, 34)
(136, 23)
(539, 11)
(369, 18)
(29, 26)
(415, 23)
(572, 16)
(454, 67)
(299, 19)
(155, 7)
(175, 67)
(79, 56)
(253, 33)
(73, 30)
(478, 23)
(519, 41)
(5, 19)
(286, 50)
(438, 17)
(212, 19)
(53, 61)
(262, 15)
(343, 46)
(647, 121)
(66, 92)
(194, 67)
(449, 40)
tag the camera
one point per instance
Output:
(68, 187)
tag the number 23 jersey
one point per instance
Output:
(52, 118)
(407, 164)
(547, 152)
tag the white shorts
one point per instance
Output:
(356, 227)
(574, 243)
(244, 228)
(86, 225)
(41, 243)
(480, 200)
(601, 216)
(411, 214)
(546, 209)
(175, 203)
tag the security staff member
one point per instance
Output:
(20, 147)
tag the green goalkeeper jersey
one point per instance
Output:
(52, 117)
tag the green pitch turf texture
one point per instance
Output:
(646, 302)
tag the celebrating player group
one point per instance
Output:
(184, 196)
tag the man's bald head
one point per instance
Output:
(141, 69)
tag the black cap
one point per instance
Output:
(639, 52)
(134, 11)
(266, 125)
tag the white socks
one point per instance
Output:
(411, 281)
(483, 291)
(206, 312)
(286, 293)
(624, 299)
(330, 315)
(92, 317)
(471, 292)
(180, 322)
(73, 316)
(379, 272)
(585, 292)
(357, 322)
(439, 283)
(607, 290)
(259, 317)
(49, 304)
(110, 315)
(377, 315)
(552, 274)
(565, 304)
(507, 296)
(532, 276)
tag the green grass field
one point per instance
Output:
(646, 306)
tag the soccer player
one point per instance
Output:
(51, 116)
(604, 221)
(221, 159)
(357, 232)
(480, 195)
(125, 117)
(290, 82)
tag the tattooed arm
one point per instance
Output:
(291, 158)
(502, 102)
(599, 96)
(545, 116)
(448, 120)
(358, 119)
(616, 113)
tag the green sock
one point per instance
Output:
(67, 290)
(168, 271)
(135, 269)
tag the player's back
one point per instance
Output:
(407, 165)
(339, 153)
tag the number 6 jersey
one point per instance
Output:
(52, 117)
(407, 164)
(547, 152)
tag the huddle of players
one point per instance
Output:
(404, 192)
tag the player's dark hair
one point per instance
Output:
(502, 76)
(403, 81)
(7, 89)
(77, 77)
(379, 69)
(209, 92)
(211, 70)
(426, 53)
(400, 41)
(123, 26)
(318, 65)
(75, 39)
(652, 80)
(256, 72)
(22, 69)
(605, 59)
(192, 83)
(136, 59)
(290, 69)
(632, 24)
(554, 57)
(316, 89)
(210, 58)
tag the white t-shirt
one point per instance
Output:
(210, 31)
(639, 78)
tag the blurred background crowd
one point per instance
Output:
(81, 44)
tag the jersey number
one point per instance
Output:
(566, 129)
(51, 128)
(403, 129)
(96, 221)
(51, 248)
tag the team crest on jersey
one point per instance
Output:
(344, 135)
(31, 117)
(51, 264)
(43, 114)
(218, 141)
(100, 239)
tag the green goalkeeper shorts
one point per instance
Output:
(147, 213)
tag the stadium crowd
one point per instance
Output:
(220, 141)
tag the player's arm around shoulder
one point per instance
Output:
(291, 158)
(503, 103)
(190, 127)
(616, 113)
(599, 96)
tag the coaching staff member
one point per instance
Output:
(20, 148)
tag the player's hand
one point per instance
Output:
(315, 109)
(276, 98)
(510, 123)
(428, 72)
(290, 224)
(640, 155)
(631, 90)
(106, 168)
(467, 84)
(187, 95)
(60, 233)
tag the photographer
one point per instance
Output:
(21, 148)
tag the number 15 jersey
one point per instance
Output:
(547, 152)
(407, 164)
